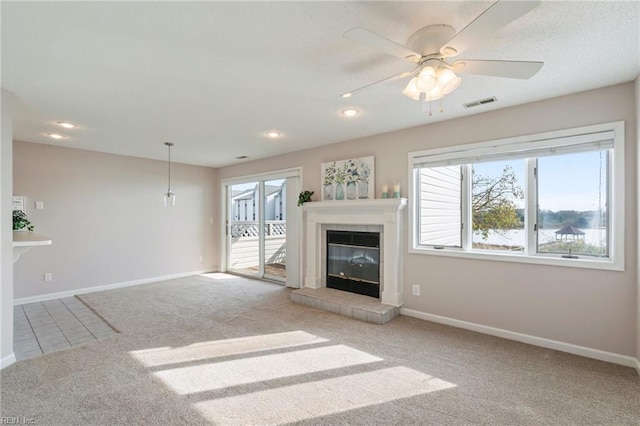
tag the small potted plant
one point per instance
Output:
(21, 222)
(304, 197)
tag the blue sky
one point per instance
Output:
(565, 182)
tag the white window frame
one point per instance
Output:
(502, 148)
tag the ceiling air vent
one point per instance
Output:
(480, 102)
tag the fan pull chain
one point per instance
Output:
(442, 104)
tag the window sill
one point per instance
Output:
(586, 263)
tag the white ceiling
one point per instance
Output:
(213, 77)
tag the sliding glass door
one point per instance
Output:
(244, 229)
(275, 229)
(256, 227)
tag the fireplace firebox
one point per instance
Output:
(353, 262)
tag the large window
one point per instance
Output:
(554, 198)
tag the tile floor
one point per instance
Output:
(53, 325)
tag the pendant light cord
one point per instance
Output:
(169, 145)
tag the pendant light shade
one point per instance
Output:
(448, 81)
(434, 94)
(412, 90)
(169, 199)
(169, 196)
(427, 79)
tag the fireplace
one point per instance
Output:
(353, 262)
(382, 216)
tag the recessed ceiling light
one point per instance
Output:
(350, 112)
(346, 95)
(67, 124)
(273, 134)
(55, 136)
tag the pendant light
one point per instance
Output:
(169, 196)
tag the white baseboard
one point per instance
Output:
(70, 293)
(7, 360)
(638, 366)
(525, 338)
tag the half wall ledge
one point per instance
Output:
(24, 240)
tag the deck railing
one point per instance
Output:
(251, 228)
(244, 243)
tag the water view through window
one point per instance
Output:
(497, 205)
(572, 204)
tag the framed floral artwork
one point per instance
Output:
(352, 179)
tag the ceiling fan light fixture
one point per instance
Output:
(434, 94)
(452, 85)
(426, 79)
(411, 90)
(448, 51)
(448, 81)
(434, 83)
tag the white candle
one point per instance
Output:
(385, 188)
(396, 187)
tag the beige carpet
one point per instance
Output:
(222, 350)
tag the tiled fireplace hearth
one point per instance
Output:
(381, 215)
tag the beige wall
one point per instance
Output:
(6, 234)
(107, 221)
(595, 309)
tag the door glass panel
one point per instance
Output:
(275, 229)
(244, 231)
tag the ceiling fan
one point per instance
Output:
(430, 48)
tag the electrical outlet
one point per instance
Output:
(416, 290)
(48, 276)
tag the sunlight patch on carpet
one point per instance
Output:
(211, 376)
(221, 276)
(321, 398)
(219, 348)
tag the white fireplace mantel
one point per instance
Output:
(383, 212)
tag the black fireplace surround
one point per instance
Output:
(353, 262)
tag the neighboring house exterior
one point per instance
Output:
(245, 203)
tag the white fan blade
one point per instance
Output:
(375, 41)
(510, 69)
(384, 80)
(491, 20)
